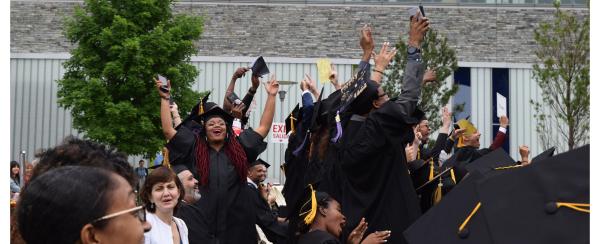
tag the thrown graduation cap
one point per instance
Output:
(260, 161)
(544, 155)
(217, 111)
(545, 202)
(293, 119)
(259, 67)
(456, 219)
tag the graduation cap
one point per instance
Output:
(259, 161)
(545, 202)
(259, 67)
(544, 155)
(217, 111)
(178, 168)
(202, 106)
(293, 119)
(353, 88)
(456, 219)
(495, 160)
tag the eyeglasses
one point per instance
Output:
(140, 214)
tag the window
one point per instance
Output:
(500, 85)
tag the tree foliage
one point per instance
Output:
(440, 57)
(562, 73)
(120, 46)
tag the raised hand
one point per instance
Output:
(272, 86)
(161, 93)
(429, 76)
(357, 234)
(333, 78)
(504, 122)
(418, 27)
(237, 110)
(377, 237)
(384, 57)
(366, 42)
(240, 72)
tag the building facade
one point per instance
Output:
(493, 41)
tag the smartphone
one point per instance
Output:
(422, 10)
(413, 11)
(164, 84)
(234, 99)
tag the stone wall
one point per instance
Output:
(479, 34)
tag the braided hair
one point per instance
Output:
(233, 149)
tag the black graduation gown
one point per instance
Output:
(222, 210)
(378, 186)
(274, 231)
(318, 237)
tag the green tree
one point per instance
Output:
(438, 56)
(108, 84)
(563, 75)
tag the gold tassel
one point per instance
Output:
(452, 175)
(431, 169)
(201, 109)
(292, 123)
(419, 153)
(166, 158)
(313, 208)
(437, 195)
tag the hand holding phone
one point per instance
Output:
(165, 84)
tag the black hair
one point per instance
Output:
(55, 206)
(364, 102)
(17, 177)
(75, 151)
(161, 174)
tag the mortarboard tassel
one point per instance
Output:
(297, 151)
(574, 206)
(462, 232)
(312, 212)
(166, 158)
(452, 175)
(430, 169)
(338, 125)
(292, 123)
(201, 109)
(437, 195)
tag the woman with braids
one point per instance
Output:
(320, 221)
(219, 160)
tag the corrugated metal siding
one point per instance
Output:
(481, 103)
(524, 88)
(37, 122)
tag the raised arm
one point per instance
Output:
(165, 113)
(413, 73)
(272, 87)
(175, 115)
(239, 73)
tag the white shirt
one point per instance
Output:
(161, 232)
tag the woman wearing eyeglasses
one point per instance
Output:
(161, 193)
(79, 204)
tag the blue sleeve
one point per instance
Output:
(307, 109)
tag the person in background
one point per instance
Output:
(141, 173)
(28, 172)
(80, 204)
(190, 184)
(15, 181)
(161, 194)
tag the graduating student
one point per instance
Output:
(374, 163)
(219, 160)
(468, 146)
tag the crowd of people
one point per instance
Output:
(357, 168)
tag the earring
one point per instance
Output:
(152, 207)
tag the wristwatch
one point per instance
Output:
(412, 50)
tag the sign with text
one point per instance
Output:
(278, 133)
